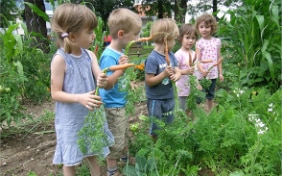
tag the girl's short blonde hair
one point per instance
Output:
(123, 19)
(73, 18)
(209, 21)
(162, 29)
(187, 29)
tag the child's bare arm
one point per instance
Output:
(221, 77)
(152, 80)
(58, 66)
(200, 68)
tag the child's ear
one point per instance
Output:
(72, 36)
(120, 33)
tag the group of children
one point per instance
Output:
(76, 72)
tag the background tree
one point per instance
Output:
(8, 12)
(36, 25)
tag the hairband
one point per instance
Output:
(65, 34)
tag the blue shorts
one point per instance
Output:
(160, 110)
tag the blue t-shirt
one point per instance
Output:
(155, 64)
(112, 98)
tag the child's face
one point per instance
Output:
(204, 30)
(132, 35)
(85, 38)
(188, 41)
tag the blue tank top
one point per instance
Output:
(78, 79)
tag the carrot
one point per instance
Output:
(144, 39)
(190, 59)
(216, 64)
(114, 68)
(120, 67)
(166, 52)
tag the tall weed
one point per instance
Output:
(253, 38)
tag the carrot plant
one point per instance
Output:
(240, 137)
(93, 135)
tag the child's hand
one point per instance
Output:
(123, 60)
(176, 76)
(221, 77)
(168, 71)
(90, 100)
(102, 80)
(190, 70)
(204, 73)
(199, 87)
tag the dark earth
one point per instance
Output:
(28, 151)
(31, 149)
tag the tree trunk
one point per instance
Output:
(160, 9)
(214, 8)
(36, 24)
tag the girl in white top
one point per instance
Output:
(208, 48)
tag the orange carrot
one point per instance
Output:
(114, 68)
(144, 39)
(190, 59)
(120, 67)
(166, 52)
(216, 64)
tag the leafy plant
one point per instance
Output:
(254, 41)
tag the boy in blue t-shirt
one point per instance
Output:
(124, 26)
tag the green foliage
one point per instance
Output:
(92, 136)
(39, 12)
(8, 12)
(253, 38)
(24, 71)
(240, 136)
(98, 45)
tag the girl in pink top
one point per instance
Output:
(185, 57)
(208, 53)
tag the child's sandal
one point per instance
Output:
(114, 173)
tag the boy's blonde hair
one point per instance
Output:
(162, 29)
(187, 29)
(209, 21)
(123, 19)
(71, 18)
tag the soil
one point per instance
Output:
(32, 150)
(29, 150)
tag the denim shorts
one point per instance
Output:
(160, 110)
(210, 92)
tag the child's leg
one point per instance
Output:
(210, 95)
(155, 113)
(182, 103)
(69, 170)
(209, 104)
(93, 165)
(118, 123)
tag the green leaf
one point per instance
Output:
(275, 12)
(38, 11)
(260, 19)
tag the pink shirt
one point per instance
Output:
(183, 84)
(209, 51)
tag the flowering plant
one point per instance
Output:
(140, 72)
